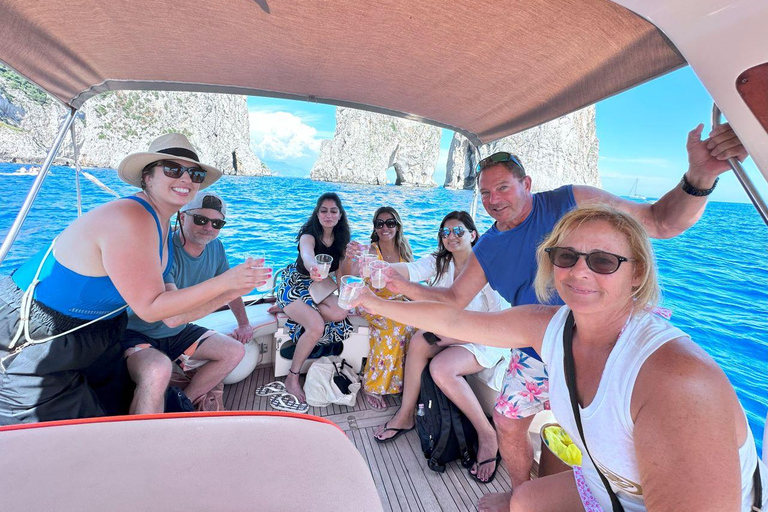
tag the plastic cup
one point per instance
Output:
(349, 289)
(365, 264)
(268, 285)
(323, 264)
(378, 273)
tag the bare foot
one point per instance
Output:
(274, 309)
(494, 502)
(406, 422)
(375, 401)
(488, 447)
(293, 386)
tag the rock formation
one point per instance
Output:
(365, 145)
(117, 123)
(560, 152)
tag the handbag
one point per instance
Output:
(321, 290)
(326, 383)
(570, 381)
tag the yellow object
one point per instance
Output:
(561, 445)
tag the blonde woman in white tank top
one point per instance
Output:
(659, 416)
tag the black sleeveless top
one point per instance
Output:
(335, 251)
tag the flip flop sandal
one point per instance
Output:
(288, 403)
(398, 432)
(496, 459)
(273, 388)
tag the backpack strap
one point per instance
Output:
(570, 380)
(458, 430)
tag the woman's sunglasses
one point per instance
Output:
(390, 223)
(599, 262)
(202, 220)
(174, 170)
(457, 230)
(498, 158)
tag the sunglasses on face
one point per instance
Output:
(599, 262)
(390, 223)
(498, 158)
(457, 230)
(174, 170)
(202, 220)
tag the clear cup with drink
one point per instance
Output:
(323, 264)
(378, 273)
(349, 290)
(262, 262)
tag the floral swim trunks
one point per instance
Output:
(525, 390)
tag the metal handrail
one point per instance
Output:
(76, 156)
(749, 187)
(32, 194)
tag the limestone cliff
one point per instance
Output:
(365, 145)
(117, 123)
(560, 152)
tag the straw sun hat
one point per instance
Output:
(172, 146)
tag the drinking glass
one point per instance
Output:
(378, 273)
(323, 264)
(349, 289)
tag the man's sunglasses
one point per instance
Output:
(599, 262)
(499, 158)
(174, 170)
(390, 223)
(457, 230)
(202, 220)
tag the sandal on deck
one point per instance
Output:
(398, 432)
(273, 388)
(288, 403)
(496, 459)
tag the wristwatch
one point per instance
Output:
(690, 189)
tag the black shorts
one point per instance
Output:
(172, 346)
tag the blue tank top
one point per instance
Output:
(76, 295)
(508, 257)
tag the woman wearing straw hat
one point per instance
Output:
(62, 312)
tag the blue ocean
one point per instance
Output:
(713, 276)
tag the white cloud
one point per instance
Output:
(282, 135)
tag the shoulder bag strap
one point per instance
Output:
(570, 380)
(758, 486)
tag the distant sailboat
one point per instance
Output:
(633, 193)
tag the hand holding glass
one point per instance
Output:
(323, 264)
(378, 273)
(349, 290)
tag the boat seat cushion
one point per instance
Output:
(264, 324)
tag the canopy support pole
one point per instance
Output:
(749, 187)
(476, 186)
(32, 194)
(76, 156)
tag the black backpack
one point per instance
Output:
(445, 433)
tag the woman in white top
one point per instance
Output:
(456, 236)
(660, 418)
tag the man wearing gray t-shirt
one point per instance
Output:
(150, 348)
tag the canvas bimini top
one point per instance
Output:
(484, 68)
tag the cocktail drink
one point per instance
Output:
(349, 289)
(365, 264)
(268, 285)
(378, 273)
(323, 264)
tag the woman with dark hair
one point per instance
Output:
(62, 313)
(389, 340)
(325, 232)
(452, 359)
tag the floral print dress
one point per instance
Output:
(389, 343)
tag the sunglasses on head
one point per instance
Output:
(202, 220)
(498, 158)
(174, 170)
(390, 223)
(599, 262)
(457, 230)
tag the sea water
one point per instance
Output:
(713, 276)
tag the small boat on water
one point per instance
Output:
(633, 193)
(484, 69)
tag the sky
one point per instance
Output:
(642, 134)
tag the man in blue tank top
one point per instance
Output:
(505, 257)
(151, 347)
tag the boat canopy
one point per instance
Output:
(484, 68)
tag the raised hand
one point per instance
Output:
(314, 273)
(365, 299)
(395, 281)
(353, 251)
(707, 158)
